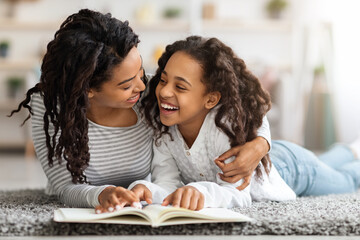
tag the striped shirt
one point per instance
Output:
(118, 156)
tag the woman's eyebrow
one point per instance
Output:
(178, 78)
(127, 80)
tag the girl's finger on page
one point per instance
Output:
(201, 202)
(167, 200)
(176, 198)
(186, 198)
(193, 202)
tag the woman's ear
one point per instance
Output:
(212, 99)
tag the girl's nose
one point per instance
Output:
(166, 91)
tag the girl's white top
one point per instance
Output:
(175, 165)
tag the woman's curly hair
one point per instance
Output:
(243, 102)
(81, 57)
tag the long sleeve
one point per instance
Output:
(222, 194)
(165, 174)
(59, 178)
(264, 131)
(118, 156)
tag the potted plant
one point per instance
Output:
(15, 85)
(275, 8)
(4, 47)
(172, 12)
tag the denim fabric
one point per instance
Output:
(335, 171)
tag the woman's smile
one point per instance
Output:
(134, 99)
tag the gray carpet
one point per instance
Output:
(29, 213)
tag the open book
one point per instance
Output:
(153, 215)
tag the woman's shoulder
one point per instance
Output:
(37, 108)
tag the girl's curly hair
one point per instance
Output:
(81, 57)
(243, 102)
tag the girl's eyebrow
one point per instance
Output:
(128, 80)
(178, 78)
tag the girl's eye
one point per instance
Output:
(162, 81)
(127, 88)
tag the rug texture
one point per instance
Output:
(30, 213)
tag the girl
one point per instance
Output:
(205, 100)
(87, 129)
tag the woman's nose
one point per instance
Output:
(140, 85)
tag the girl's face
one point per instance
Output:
(181, 95)
(123, 89)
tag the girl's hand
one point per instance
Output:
(186, 197)
(247, 159)
(143, 193)
(115, 198)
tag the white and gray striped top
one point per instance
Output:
(118, 156)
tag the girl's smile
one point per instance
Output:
(167, 108)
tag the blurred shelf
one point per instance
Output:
(162, 25)
(18, 64)
(265, 25)
(12, 144)
(13, 25)
(9, 104)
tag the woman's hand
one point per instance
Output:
(186, 197)
(247, 159)
(143, 193)
(115, 198)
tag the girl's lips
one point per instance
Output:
(164, 111)
(134, 99)
(167, 108)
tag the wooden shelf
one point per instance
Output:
(247, 25)
(9, 105)
(13, 25)
(162, 25)
(18, 64)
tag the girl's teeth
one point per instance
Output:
(168, 106)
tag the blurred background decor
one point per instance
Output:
(4, 48)
(15, 85)
(282, 49)
(275, 8)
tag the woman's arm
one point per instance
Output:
(248, 157)
(59, 178)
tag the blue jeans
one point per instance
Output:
(335, 171)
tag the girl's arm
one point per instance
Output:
(165, 175)
(59, 178)
(248, 157)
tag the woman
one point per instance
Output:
(87, 129)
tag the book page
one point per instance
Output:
(88, 214)
(170, 215)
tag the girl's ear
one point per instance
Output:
(90, 94)
(212, 99)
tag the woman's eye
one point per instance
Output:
(127, 88)
(162, 81)
(180, 87)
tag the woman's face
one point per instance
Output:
(124, 88)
